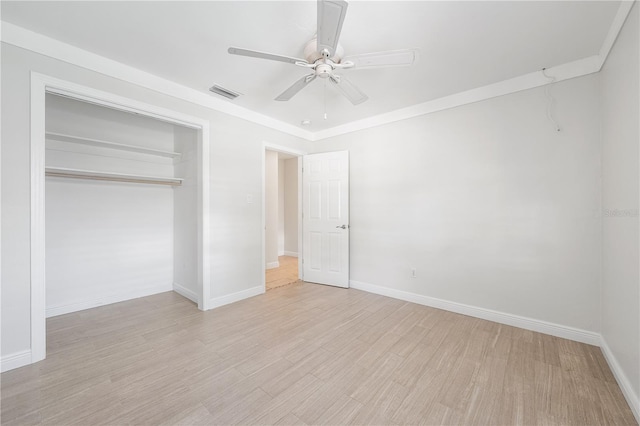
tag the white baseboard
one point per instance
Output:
(280, 253)
(183, 291)
(233, 297)
(272, 265)
(557, 330)
(53, 311)
(291, 253)
(627, 390)
(15, 360)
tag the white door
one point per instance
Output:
(325, 218)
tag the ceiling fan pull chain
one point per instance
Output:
(325, 99)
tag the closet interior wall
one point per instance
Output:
(127, 226)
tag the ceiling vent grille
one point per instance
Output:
(230, 94)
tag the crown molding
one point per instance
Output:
(528, 81)
(47, 46)
(614, 30)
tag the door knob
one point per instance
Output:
(343, 226)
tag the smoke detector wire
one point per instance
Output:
(551, 100)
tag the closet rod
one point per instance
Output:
(115, 177)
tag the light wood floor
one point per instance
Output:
(306, 353)
(285, 274)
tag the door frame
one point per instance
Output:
(42, 84)
(268, 146)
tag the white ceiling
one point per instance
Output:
(463, 45)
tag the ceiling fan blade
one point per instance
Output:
(349, 90)
(263, 55)
(296, 87)
(331, 14)
(391, 58)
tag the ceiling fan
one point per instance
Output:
(323, 55)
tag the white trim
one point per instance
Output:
(566, 71)
(47, 46)
(627, 390)
(263, 213)
(545, 327)
(37, 243)
(56, 49)
(54, 311)
(235, 297)
(291, 253)
(42, 84)
(204, 206)
(185, 292)
(76, 91)
(15, 360)
(300, 219)
(283, 149)
(1, 369)
(272, 265)
(614, 30)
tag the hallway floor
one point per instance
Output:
(286, 273)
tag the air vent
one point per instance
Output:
(223, 92)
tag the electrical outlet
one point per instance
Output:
(413, 272)
(249, 198)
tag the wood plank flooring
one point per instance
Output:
(305, 354)
(285, 274)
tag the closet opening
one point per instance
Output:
(121, 208)
(126, 191)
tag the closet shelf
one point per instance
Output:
(117, 177)
(105, 144)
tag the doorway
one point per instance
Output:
(281, 219)
(322, 252)
(282, 242)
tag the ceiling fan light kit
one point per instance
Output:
(324, 55)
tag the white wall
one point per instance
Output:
(106, 241)
(491, 205)
(236, 171)
(620, 194)
(271, 209)
(281, 195)
(291, 206)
